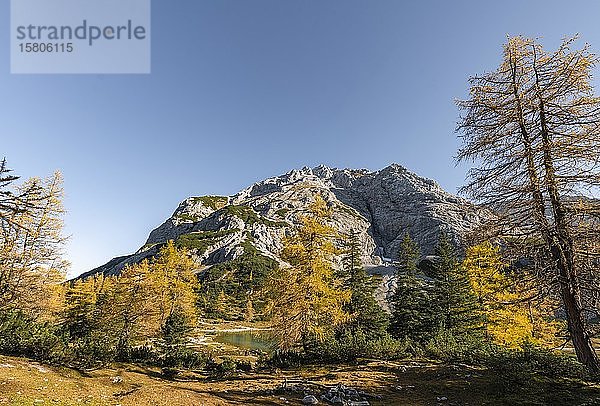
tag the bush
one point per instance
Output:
(225, 368)
(284, 359)
(88, 352)
(518, 365)
(20, 335)
(447, 347)
(46, 344)
(349, 347)
(144, 354)
(182, 357)
(245, 366)
(390, 348)
(346, 347)
(512, 366)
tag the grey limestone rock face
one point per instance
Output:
(381, 206)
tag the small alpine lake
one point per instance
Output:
(246, 339)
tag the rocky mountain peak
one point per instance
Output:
(381, 205)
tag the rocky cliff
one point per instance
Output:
(381, 206)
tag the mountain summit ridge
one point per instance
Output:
(380, 205)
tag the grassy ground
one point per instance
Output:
(23, 382)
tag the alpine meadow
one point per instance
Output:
(322, 285)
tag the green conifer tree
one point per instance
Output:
(366, 315)
(415, 313)
(460, 311)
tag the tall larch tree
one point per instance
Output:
(15, 200)
(31, 247)
(82, 315)
(306, 301)
(532, 129)
(173, 277)
(131, 311)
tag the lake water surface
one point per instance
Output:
(247, 340)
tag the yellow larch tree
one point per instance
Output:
(31, 245)
(145, 301)
(131, 309)
(306, 301)
(84, 311)
(511, 317)
(173, 277)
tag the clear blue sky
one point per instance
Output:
(242, 90)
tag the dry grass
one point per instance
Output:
(23, 382)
